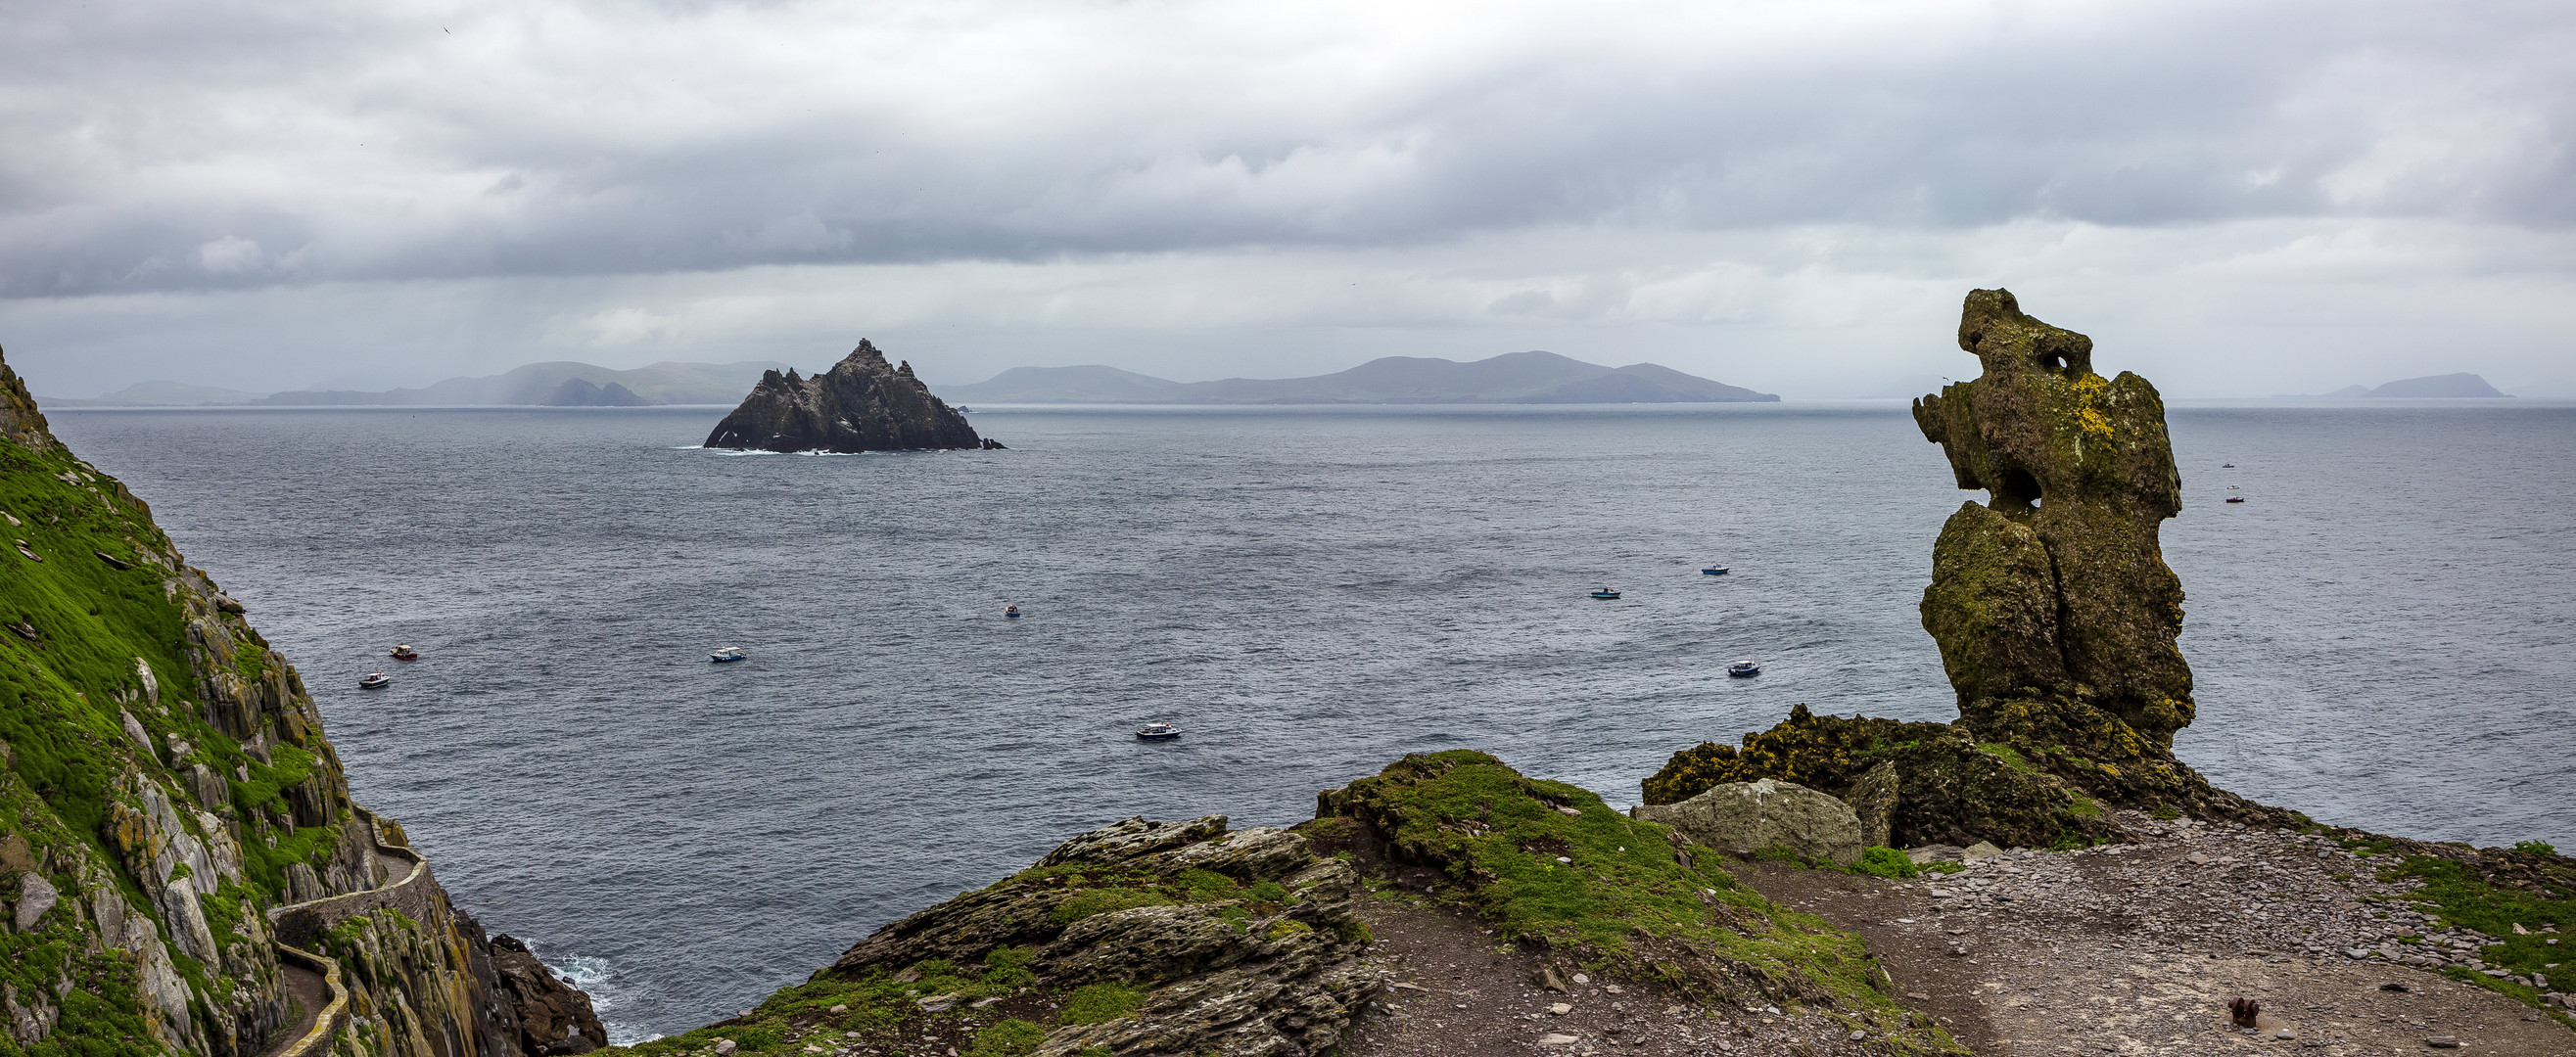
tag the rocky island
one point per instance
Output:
(182, 870)
(862, 404)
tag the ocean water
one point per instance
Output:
(2381, 633)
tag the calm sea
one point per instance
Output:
(2382, 631)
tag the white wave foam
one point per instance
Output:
(595, 977)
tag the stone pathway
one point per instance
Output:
(311, 992)
(2137, 950)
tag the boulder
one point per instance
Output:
(1747, 817)
(35, 896)
(861, 404)
(1873, 797)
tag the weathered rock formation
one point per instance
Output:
(1137, 938)
(555, 1018)
(1750, 817)
(2055, 613)
(2055, 589)
(182, 867)
(861, 404)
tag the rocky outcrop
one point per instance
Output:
(20, 422)
(861, 404)
(173, 822)
(555, 1018)
(1756, 816)
(1236, 942)
(2055, 613)
(2055, 589)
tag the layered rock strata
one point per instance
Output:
(1240, 942)
(862, 404)
(2055, 613)
(178, 848)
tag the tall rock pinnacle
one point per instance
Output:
(2055, 589)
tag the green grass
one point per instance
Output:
(2459, 895)
(63, 698)
(1102, 1003)
(2011, 757)
(1887, 862)
(1623, 898)
(1010, 1038)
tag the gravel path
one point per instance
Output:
(1453, 991)
(2137, 949)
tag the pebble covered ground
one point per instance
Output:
(2138, 948)
(1451, 990)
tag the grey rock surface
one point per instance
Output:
(35, 896)
(1243, 941)
(1746, 817)
(1873, 798)
(861, 404)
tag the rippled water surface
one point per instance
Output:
(2381, 633)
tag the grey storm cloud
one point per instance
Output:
(216, 145)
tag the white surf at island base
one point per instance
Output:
(2380, 633)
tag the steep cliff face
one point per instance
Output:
(861, 404)
(2056, 616)
(182, 866)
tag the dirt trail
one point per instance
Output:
(310, 992)
(2137, 950)
(1453, 991)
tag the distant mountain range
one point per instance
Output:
(2429, 385)
(561, 383)
(1515, 378)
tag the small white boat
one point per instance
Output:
(1157, 732)
(727, 655)
(375, 681)
(1744, 669)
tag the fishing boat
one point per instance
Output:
(404, 653)
(1157, 732)
(727, 655)
(375, 681)
(2227, 466)
(1011, 612)
(1605, 594)
(1714, 570)
(2235, 499)
(1744, 669)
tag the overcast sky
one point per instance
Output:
(2234, 198)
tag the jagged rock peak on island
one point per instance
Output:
(862, 404)
(182, 866)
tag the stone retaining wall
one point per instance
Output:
(296, 925)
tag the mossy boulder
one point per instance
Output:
(1945, 788)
